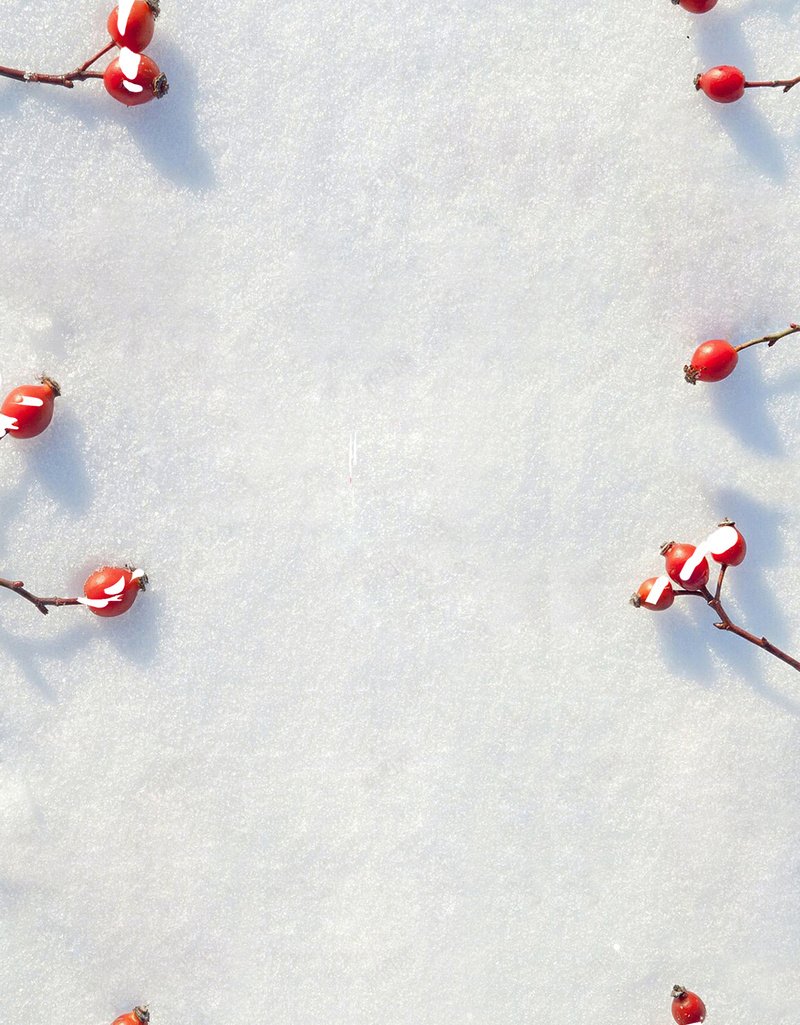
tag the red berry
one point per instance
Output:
(110, 592)
(655, 594)
(684, 568)
(138, 1016)
(133, 23)
(132, 78)
(727, 546)
(28, 410)
(687, 1007)
(723, 84)
(696, 6)
(712, 361)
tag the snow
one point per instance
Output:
(397, 750)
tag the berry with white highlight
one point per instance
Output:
(132, 78)
(28, 410)
(686, 565)
(655, 594)
(112, 590)
(726, 545)
(133, 23)
(687, 1007)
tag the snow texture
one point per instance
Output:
(396, 750)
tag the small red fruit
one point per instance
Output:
(687, 1007)
(28, 410)
(655, 594)
(133, 23)
(724, 84)
(712, 361)
(696, 6)
(726, 545)
(132, 78)
(684, 568)
(110, 592)
(137, 1016)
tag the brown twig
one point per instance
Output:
(726, 623)
(68, 80)
(785, 83)
(769, 339)
(41, 603)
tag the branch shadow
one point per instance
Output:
(740, 402)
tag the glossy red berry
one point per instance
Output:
(712, 361)
(687, 1007)
(724, 84)
(138, 1016)
(655, 594)
(28, 410)
(133, 23)
(132, 78)
(111, 591)
(726, 545)
(684, 567)
(696, 6)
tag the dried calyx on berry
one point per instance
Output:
(141, 1012)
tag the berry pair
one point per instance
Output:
(25, 413)
(716, 359)
(133, 78)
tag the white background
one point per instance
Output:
(397, 750)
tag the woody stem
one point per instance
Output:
(770, 339)
(785, 83)
(68, 80)
(41, 603)
(727, 624)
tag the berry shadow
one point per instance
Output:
(740, 401)
(166, 130)
(720, 40)
(58, 465)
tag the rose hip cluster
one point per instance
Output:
(25, 413)
(716, 359)
(689, 567)
(131, 77)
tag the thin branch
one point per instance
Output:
(68, 80)
(726, 623)
(770, 339)
(786, 84)
(720, 578)
(41, 603)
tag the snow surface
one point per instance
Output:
(398, 751)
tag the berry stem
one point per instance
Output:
(770, 339)
(785, 83)
(68, 79)
(726, 623)
(41, 603)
